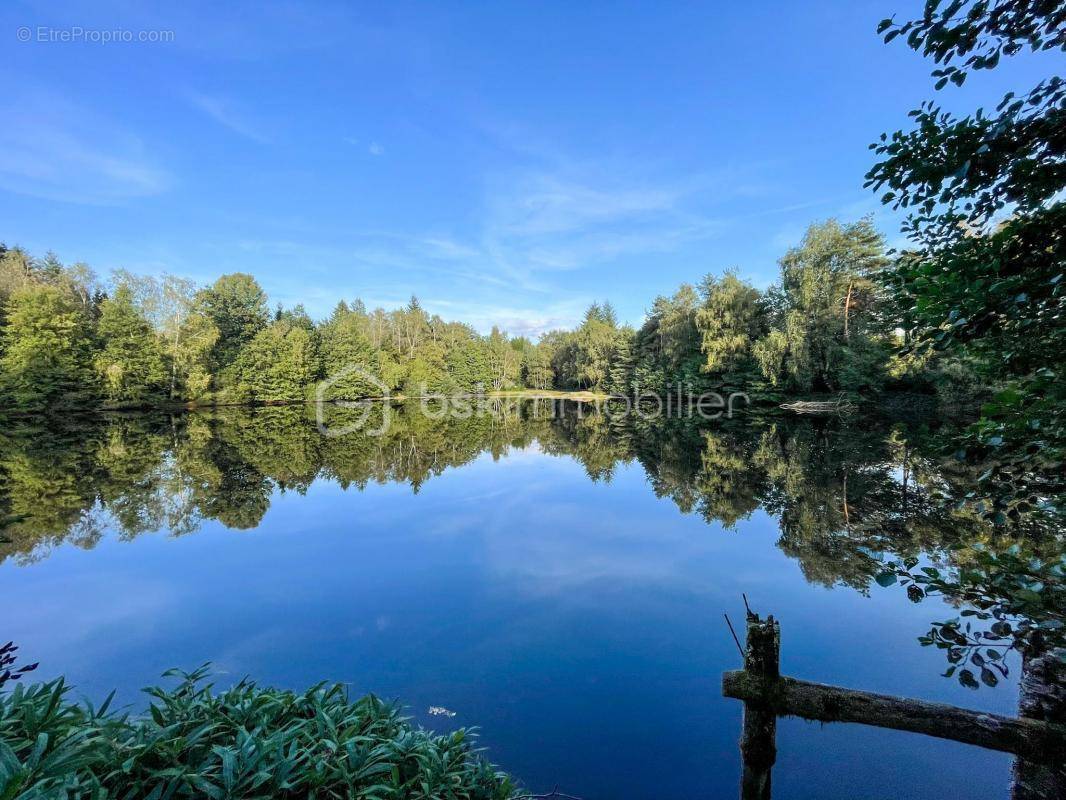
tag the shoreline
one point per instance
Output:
(886, 401)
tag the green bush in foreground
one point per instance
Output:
(245, 742)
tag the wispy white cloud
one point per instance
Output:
(516, 319)
(535, 227)
(224, 112)
(373, 148)
(543, 203)
(540, 230)
(411, 256)
(56, 149)
(886, 220)
(564, 217)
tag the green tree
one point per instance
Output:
(620, 381)
(596, 340)
(187, 335)
(426, 373)
(467, 361)
(349, 361)
(237, 306)
(505, 364)
(47, 349)
(189, 348)
(563, 348)
(667, 345)
(410, 327)
(824, 332)
(129, 362)
(297, 315)
(985, 275)
(731, 318)
(537, 366)
(15, 273)
(48, 269)
(279, 363)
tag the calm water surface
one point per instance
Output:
(559, 583)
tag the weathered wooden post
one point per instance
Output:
(758, 746)
(1037, 736)
(1042, 696)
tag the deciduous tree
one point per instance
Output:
(129, 360)
(47, 349)
(986, 274)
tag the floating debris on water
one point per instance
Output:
(441, 711)
(842, 405)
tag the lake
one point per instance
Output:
(550, 574)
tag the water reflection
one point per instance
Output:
(842, 493)
(536, 589)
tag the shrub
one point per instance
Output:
(243, 742)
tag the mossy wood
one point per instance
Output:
(786, 696)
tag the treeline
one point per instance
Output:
(829, 324)
(64, 341)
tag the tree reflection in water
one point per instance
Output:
(854, 500)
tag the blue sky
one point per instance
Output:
(507, 162)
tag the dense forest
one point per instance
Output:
(829, 324)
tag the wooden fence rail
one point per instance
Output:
(1040, 745)
(816, 701)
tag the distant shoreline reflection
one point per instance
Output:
(842, 493)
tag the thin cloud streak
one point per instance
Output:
(222, 111)
(536, 226)
(517, 321)
(58, 150)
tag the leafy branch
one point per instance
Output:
(1021, 597)
(8, 672)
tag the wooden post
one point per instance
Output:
(1037, 736)
(758, 745)
(1042, 696)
